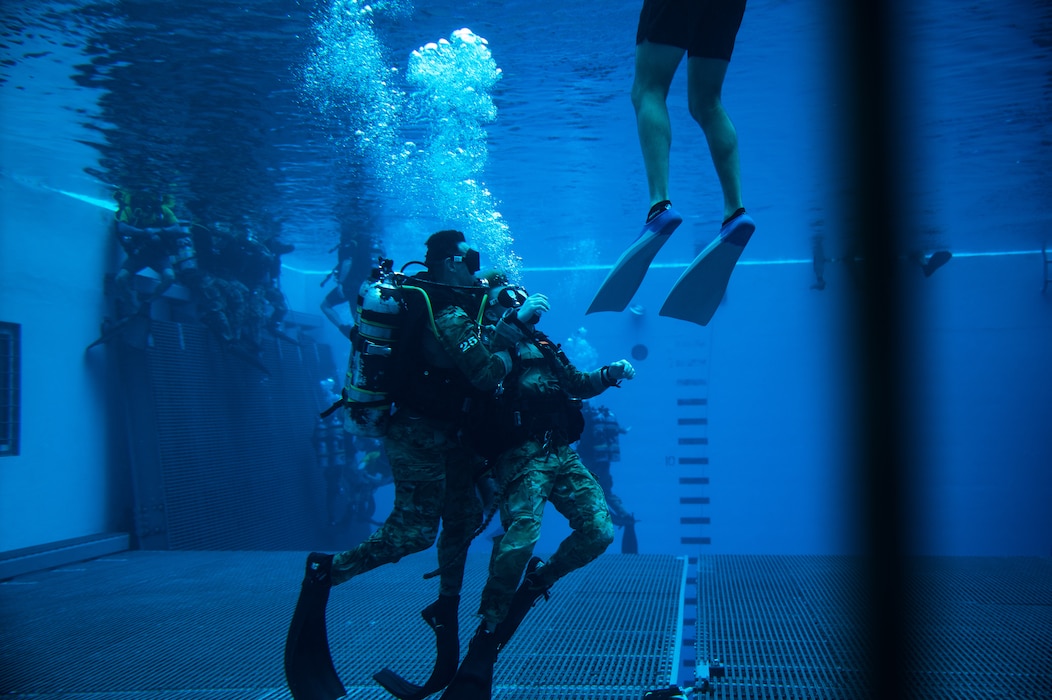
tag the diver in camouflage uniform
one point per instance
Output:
(434, 474)
(441, 364)
(151, 235)
(526, 431)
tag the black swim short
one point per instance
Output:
(705, 28)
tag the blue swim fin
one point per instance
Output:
(621, 284)
(699, 290)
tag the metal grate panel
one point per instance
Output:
(235, 467)
(790, 627)
(211, 626)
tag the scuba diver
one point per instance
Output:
(253, 281)
(218, 301)
(259, 269)
(437, 364)
(151, 235)
(525, 429)
(228, 308)
(598, 448)
(353, 468)
(352, 267)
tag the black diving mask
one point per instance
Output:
(470, 258)
(511, 297)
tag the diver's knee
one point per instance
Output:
(600, 531)
(421, 540)
(523, 530)
(605, 534)
(644, 95)
(705, 109)
(637, 98)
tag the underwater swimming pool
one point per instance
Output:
(753, 441)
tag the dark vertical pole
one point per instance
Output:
(873, 136)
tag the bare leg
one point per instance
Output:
(705, 84)
(655, 66)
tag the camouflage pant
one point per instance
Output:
(529, 479)
(618, 513)
(433, 477)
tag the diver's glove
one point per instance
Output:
(530, 311)
(612, 374)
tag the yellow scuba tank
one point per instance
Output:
(374, 338)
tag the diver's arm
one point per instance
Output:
(460, 337)
(585, 385)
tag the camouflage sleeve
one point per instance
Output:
(507, 333)
(584, 385)
(461, 339)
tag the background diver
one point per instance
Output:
(599, 448)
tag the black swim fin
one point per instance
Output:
(248, 357)
(527, 594)
(139, 320)
(441, 616)
(474, 679)
(278, 333)
(309, 670)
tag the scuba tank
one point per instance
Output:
(374, 338)
(377, 371)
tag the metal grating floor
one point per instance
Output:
(788, 627)
(211, 626)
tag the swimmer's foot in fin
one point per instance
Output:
(441, 616)
(474, 679)
(139, 320)
(309, 670)
(699, 290)
(621, 284)
(526, 596)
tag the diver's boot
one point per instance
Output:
(529, 591)
(319, 571)
(474, 679)
(308, 662)
(441, 616)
